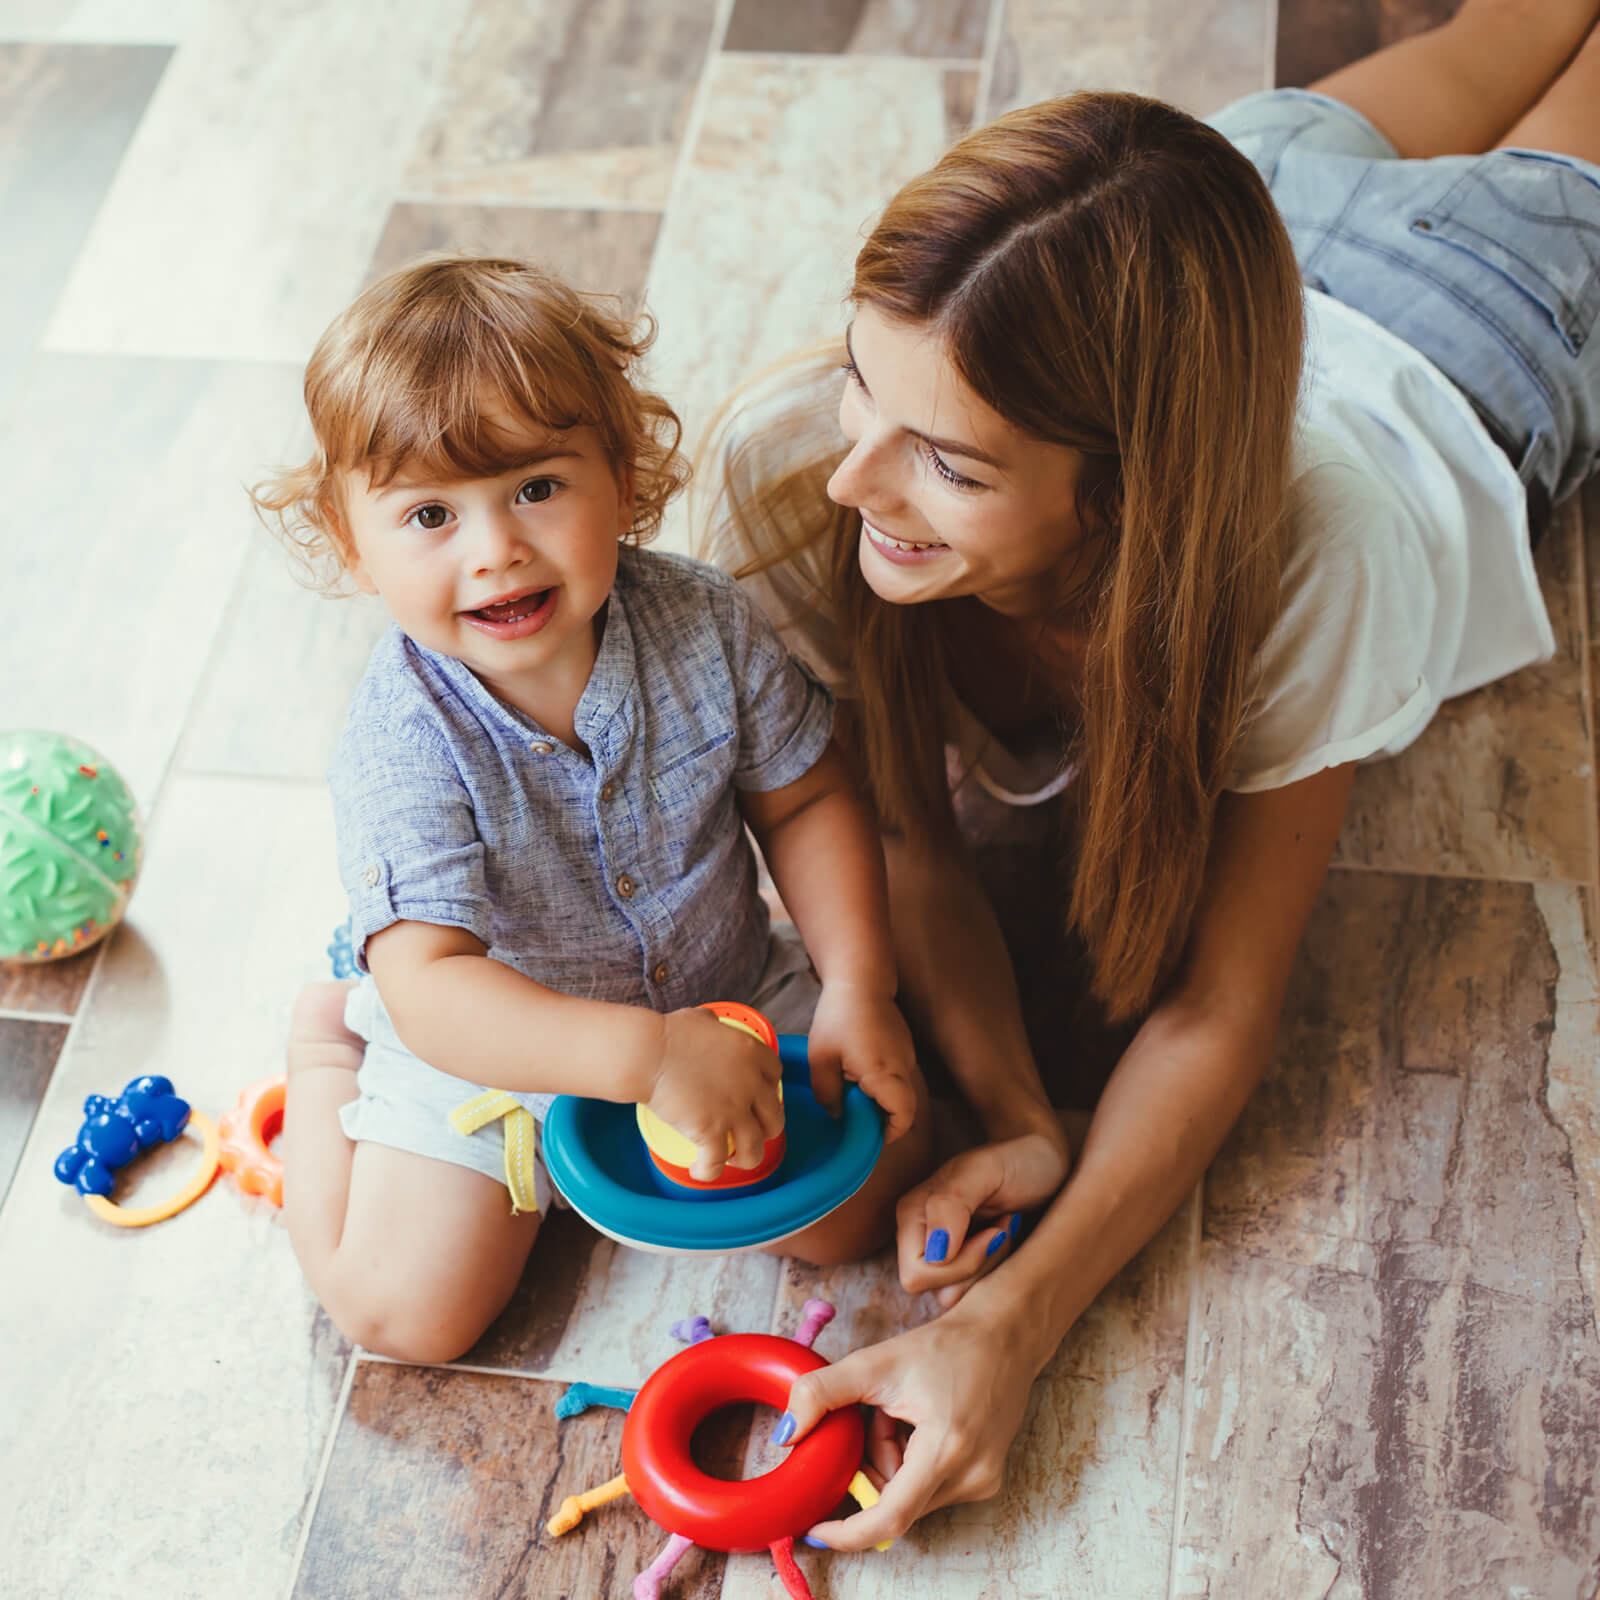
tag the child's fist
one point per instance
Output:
(860, 1035)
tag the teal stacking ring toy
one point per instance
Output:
(599, 1162)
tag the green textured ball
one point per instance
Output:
(69, 846)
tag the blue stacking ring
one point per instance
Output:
(598, 1161)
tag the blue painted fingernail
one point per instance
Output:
(817, 1544)
(784, 1432)
(1014, 1223)
(996, 1242)
(938, 1245)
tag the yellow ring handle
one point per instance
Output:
(127, 1217)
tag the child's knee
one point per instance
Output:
(404, 1328)
(317, 1033)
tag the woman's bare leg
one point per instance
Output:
(1567, 118)
(413, 1258)
(1458, 88)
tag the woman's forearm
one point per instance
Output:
(958, 989)
(1169, 1105)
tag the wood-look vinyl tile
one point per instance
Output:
(28, 1052)
(601, 252)
(148, 532)
(1501, 784)
(53, 986)
(101, 21)
(592, 1309)
(569, 103)
(169, 1391)
(1197, 56)
(441, 1483)
(954, 29)
(1397, 1372)
(1316, 37)
(249, 201)
(67, 113)
(793, 156)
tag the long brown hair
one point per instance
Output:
(1109, 273)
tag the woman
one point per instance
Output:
(1112, 588)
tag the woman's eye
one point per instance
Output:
(852, 372)
(536, 490)
(949, 473)
(430, 518)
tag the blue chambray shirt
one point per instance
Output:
(627, 877)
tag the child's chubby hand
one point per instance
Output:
(712, 1082)
(859, 1034)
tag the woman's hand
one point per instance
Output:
(859, 1034)
(940, 1250)
(959, 1383)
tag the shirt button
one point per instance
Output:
(625, 886)
(607, 791)
(370, 875)
(542, 747)
(660, 974)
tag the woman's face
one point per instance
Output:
(953, 499)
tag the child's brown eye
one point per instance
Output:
(536, 490)
(430, 517)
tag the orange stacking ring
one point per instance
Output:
(246, 1132)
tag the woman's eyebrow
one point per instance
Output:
(951, 447)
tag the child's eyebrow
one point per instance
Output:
(405, 483)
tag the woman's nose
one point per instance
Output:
(856, 476)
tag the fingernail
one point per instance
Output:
(996, 1242)
(938, 1245)
(1014, 1223)
(784, 1432)
(816, 1544)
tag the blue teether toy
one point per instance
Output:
(147, 1113)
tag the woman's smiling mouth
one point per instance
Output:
(900, 550)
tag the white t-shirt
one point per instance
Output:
(1409, 577)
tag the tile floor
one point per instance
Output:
(1362, 1360)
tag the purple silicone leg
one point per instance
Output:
(647, 1586)
(817, 1315)
(692, 1330)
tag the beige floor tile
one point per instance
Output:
(793, 156)
(1087, 1506)
(274, 700)
(1398, 1368)
(103, 21)
(1502, 782)
(147, 534)
(246, 210)
(168, 1391)
(949, 28)
(1198, 56)
(586, 109)
(441, 1482)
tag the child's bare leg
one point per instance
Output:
(1567, 118)
(413, 1258)
(1456, 89)
(865, 1222)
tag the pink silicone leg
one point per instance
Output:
(817, 1314)
(647, 1586)
(794, 1580)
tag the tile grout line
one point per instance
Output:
(56, 1017)
(991, 54)
(697, 115)
(321, 1478)
(1191, 1341)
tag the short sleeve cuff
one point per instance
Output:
(375, 906)
(804, 746)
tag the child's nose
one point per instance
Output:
(499, 542)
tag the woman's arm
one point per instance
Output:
(962, 1381)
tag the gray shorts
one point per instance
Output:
(406, 1104)
(1488, 265)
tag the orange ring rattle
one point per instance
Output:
(247, 1130)
(662, 1476)
(143, 1216)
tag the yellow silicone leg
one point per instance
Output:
(574, 1506)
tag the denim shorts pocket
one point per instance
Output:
(1534, 221)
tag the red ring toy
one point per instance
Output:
(734, 1517)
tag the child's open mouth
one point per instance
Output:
(513, 618)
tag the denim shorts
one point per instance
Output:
(1488, 265)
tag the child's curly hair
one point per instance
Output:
(403, 377)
